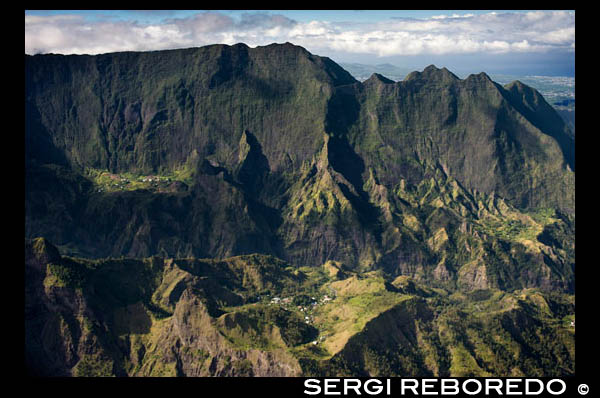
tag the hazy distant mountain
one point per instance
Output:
(362, 71)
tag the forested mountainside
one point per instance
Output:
(256, 315)
(203, 162)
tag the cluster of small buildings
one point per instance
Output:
(154, 179)
(282, 301)
(118, 181)
(288, 300)
(122, 183)
(306, 310)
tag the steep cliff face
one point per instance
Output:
(151, 110)
(488, 137)
(271, 150)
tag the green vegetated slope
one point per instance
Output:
(258, 316)
(151, 111)
(439, 208)
(268, 149)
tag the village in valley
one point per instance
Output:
(306, 305)
(105, 182)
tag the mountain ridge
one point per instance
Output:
(188, 192)
(386, 130)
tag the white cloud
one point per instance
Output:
(560, 36)
(452, 16)
(35, 19)
(536, 31)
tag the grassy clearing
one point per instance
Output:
(357, 302)
(105, 181)
(518, 227)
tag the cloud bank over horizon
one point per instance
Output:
(443, 34)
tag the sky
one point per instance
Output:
(521, 42)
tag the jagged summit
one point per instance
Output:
(516, 83)
(481, 78)
(287, 44)
(432, 73)
(541, 114)
(376, 77)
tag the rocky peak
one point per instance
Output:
(531, 104)
(253, 164)
(43, 251)
(432, 74)
(480, 78)
(376, 78)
